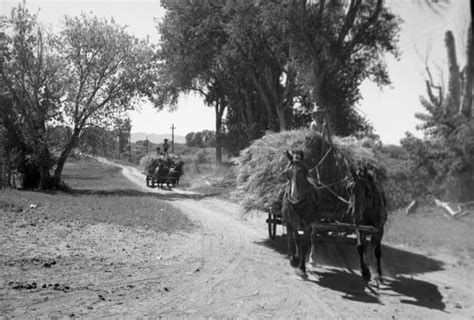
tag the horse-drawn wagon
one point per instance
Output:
(323, 193)
(164, 171)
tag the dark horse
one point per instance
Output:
(302, 208)
(161, 173)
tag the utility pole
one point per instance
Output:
(172, 137)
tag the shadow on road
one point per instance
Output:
(411, 291)
(395, 261)
(338, 269)
(168, 195)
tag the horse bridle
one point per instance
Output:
(300, 164)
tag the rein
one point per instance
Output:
(324, 186)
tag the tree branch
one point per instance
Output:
(348, 21)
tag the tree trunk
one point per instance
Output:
(44, 164)
(277, 98)
(219, 108)
(266, 101)
(63, 157)
(250, 117)
(44, 181)
(317, 75)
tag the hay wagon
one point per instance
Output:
(164, 173)
(348, 205)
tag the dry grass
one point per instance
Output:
(433, 230)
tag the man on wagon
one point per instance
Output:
(320, 124)
(165, 147)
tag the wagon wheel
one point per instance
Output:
(272, 225)
(169, 183)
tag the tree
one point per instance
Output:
(335, 46)
(31, 71)
(259, 47)
(106, 70)
(192, 36)
(260, 61)
(88, 75)
(447, 150)
(201, 139)
(98, 141)
(122, 128)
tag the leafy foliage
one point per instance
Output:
(201, 139)
(88, 75)
(30, 73)
(266, 63)
(444, 159)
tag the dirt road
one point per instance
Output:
(235, 271)
(227, 269)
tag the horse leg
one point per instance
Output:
(292, 247)
(301, 251)
(305, 246)
(377, 242)
(361, 249)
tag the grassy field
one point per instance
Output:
(62, 252)
(100, 194)
(433, 230)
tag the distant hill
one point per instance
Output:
(155, 137)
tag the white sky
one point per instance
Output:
(390, 110)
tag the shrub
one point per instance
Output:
(201, 157)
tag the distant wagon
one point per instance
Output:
(164, 171)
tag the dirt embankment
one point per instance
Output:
(227, 269)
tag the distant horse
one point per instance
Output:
(302, 207)
(161, 173)
(176, 171)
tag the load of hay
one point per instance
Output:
(260, 168)
(149, 162)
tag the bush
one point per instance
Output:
(201, 157)
(442, 169)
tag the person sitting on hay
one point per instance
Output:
(320, 124)
(165, 147)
